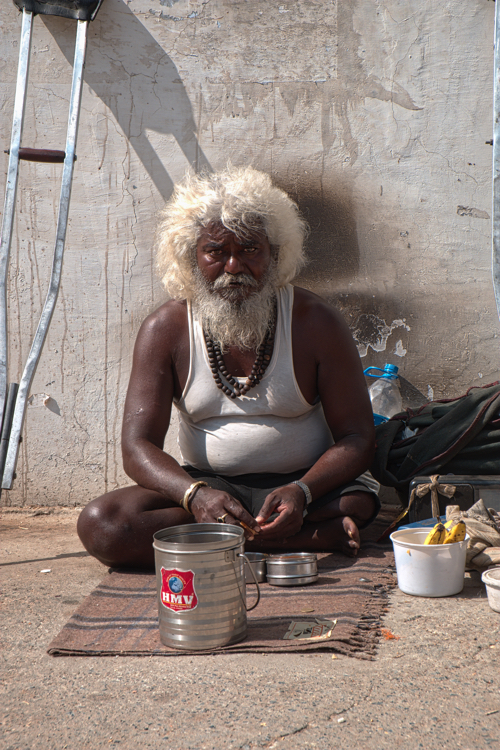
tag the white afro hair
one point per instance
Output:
(242, 199)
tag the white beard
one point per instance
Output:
(230, 320)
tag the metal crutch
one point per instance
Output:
(496, 163)
(13, 397)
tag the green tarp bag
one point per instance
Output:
(457, 436)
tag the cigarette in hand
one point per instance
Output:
(247, 528)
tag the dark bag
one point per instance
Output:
(457, 436)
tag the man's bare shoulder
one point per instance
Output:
(169, 315)
(165, 329)
(324, 351)
(316, 314)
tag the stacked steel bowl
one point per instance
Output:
(288, 569)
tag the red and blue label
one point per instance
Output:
(177, 590)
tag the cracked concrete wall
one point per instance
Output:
(373, 114)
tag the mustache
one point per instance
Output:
(227, 279)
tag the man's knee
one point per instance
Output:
(359, 505)
(118, 527)
(100, 529)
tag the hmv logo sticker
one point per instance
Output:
(177, 590)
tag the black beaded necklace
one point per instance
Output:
(220, 371)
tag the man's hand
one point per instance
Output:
(289, 502)
(208, 505)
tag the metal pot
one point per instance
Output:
(292, 569)
(201, 585)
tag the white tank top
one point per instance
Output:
(272, 429)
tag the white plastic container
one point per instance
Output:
(491, 578)
(428, 569)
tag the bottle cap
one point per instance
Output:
(391, 370)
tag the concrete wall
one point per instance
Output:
(373, 114)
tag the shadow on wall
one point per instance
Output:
(332, 244)
(132, 74)
(380, 324)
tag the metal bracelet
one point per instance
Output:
(189, 494)
(305, 489)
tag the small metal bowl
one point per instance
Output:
(258, 562)
(292, 569)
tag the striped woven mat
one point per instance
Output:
(120, 617)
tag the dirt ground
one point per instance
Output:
(436, 685)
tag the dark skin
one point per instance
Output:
(118, 527)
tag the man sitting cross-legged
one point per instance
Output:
(276, 427)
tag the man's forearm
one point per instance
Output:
(156, 470)
(342, 463)
(152, 468)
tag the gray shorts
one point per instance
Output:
(252, 489)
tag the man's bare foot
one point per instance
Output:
(347, 534)
(336, 534)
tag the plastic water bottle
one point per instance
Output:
(385, 394)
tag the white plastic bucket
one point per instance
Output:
(491, 578)
(428, 569)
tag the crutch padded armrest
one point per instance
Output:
(80, 10)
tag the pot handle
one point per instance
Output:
(249, 609)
